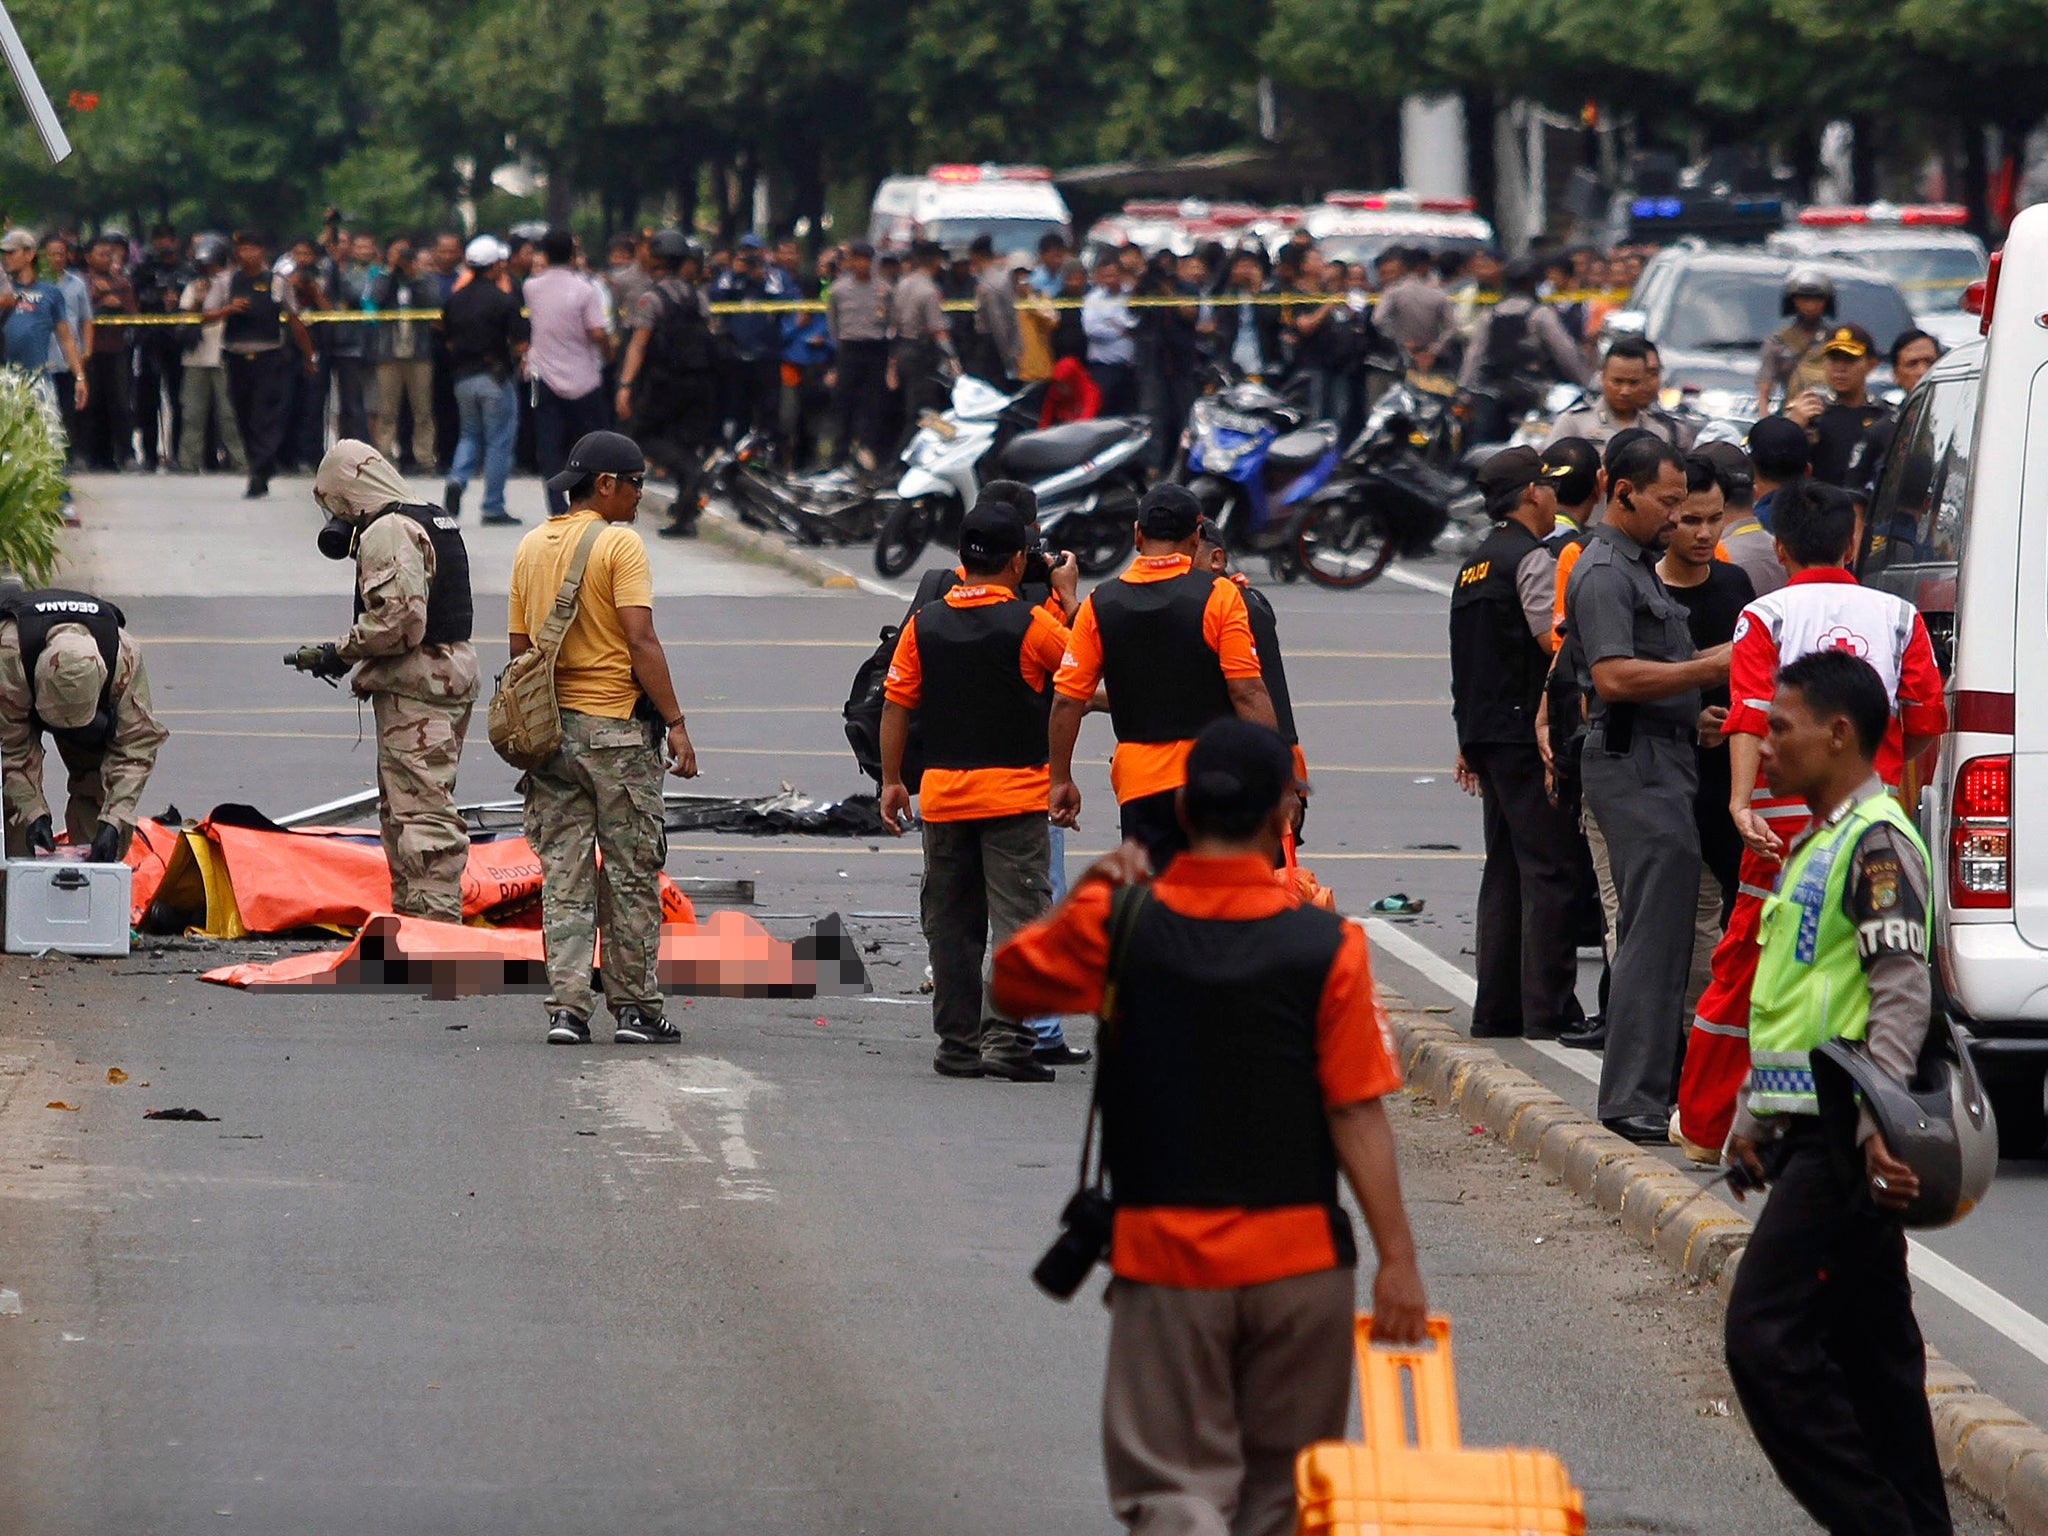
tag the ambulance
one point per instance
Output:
(1015, 205)
(1357, 226)
(1985, 810)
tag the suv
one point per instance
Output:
(1959, 523)
(1709, 310)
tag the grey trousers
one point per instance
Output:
(1210, 1395)
(203, 397)
(983, 880)
(1642, 800)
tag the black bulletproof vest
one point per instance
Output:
(1164, 681)
(1507, 344)
(450, 614)
(263, 321)
(35, 614)
(1497, 666)
(1266, 633)
(1209, 1091)
(976, 709)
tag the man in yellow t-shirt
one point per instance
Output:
(601, 792)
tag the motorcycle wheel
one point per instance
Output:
(1104, 545)
(1343, 546)
(903, 536)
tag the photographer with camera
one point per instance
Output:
(1243, 1064)
(411, 652)
(975, 664)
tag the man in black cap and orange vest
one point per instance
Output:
(1243, 1066)
(974, 665)
(1174, 647)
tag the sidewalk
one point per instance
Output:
(195, 536)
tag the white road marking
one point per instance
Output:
(669, 1100)
(1995, 1310)
(1416, 579)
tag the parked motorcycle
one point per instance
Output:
(1254, 465)
(832, 506)
(1089, 476)
(1389, 496)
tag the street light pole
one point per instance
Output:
(33, 96)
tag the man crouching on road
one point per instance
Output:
(602, 790)
(414, 663)
(975, 665)
(1243, 1066)
(1822, 1342)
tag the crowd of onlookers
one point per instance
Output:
(825, 384)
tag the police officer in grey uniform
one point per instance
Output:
(1642, 681)
(1631, 376)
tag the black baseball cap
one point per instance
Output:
(1236, 773)
(1169, 511)
(1849, 340)
(1014, 493)
(992, 533)
(599, 453)
(1779, 447)
(1578, 464)
(1513, 470)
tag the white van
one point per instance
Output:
(1985, 812)
(1014, 205)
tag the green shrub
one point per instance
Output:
(31, 477)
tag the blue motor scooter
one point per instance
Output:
(1253, 465)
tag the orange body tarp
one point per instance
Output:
(233, 880)
(728, 955)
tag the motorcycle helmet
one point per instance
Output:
(672, 247)
(1940, 1124)
(1807, 283)
(210, 250)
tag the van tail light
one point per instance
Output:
(1980, 835)
(1990, 293)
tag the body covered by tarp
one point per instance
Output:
(727, 955)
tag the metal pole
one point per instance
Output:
(33, 96)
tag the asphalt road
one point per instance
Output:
(425, 1274)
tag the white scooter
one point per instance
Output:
(1089, 476)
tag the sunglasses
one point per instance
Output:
(638, 482)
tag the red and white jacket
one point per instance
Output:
(1827, 609)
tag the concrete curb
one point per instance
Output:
(752, 544)
(1993, 1451)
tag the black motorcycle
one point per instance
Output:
(1392, 493)
(833, 506)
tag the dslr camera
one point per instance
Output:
(1083, 1242)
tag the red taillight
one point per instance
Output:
(1980, 834)
(1973, 298)
(1990, 293)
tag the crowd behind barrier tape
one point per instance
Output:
(952, 306)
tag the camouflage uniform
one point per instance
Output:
(422, 696)
(602, 790)
(1791, 359)
(105, 784)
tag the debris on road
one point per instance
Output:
(179, 1114)
(1400, 904)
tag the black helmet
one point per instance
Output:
(1940, 1125)
(671, 246)
(1807, 283)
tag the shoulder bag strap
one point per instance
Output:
(563, 614)
(1126, 904)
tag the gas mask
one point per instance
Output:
(337, 539)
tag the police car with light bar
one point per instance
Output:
(1923, 246)
(1357, 226)
(1014, 205)
(1181, 226)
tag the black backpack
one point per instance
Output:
(864, 701)
(679, 346)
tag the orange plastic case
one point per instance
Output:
(1403, 1484)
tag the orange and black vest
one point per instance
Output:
(1165, 681)
(976, 710)
(1210, 1094)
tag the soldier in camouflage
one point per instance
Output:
(410, 644)
(69, 670)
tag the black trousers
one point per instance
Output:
(1118, 383)
(260, 389)
(108, 423)
(159, 385)
(1152, 820)
(858, 397)
(1528, 955)
(1827, 1357)
(305, 438)
(558, 421)
(354, 379)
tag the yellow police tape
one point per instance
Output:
(952, 306)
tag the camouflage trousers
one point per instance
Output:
(419, 748)
(86, 795)
(600, 794)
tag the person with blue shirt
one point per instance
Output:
(57, 256)
(37, 323)
(754, 365)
